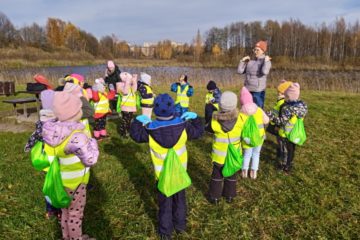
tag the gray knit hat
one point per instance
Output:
(228, 101)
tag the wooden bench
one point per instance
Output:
(23, 101)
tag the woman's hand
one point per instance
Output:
(244, 59)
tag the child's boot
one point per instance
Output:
(244, 173)
(97, 135)
(103, 133)
(253, 174)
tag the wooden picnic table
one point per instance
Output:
(37, 96)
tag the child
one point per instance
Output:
(46, 114)
(227, 125)
(101, 97)
(293, 106)
(272, 128)
(87, 109)
(76, 152)
(248, 108)
(212, 99)
(146, 93)
(183, 93)
(167, 131)
(127, 89)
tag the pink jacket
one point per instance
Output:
(54, 133)
(124, 89)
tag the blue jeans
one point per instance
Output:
(259, 98)
(254, 154)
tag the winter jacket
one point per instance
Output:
(124, 88)
(166, 132)
(45, 115)
(256, 72)
(85, 148)
(189, 93)
(96, 96)
(114, 77)
(287, 111)
(145, 94)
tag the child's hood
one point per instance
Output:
(54, 133)
(249, 109)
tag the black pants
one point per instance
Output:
(217, 188)
(172, 212)
(209, 109)
(113, 104)
(100, 123)
(287, 153)
(125, 121)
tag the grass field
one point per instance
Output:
(319, 200)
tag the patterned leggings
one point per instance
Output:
(100, 123)
(125, 122)
(72, 217)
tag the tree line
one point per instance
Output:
(337, 42)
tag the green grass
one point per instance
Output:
(320, 200)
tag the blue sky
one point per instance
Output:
(138, 21)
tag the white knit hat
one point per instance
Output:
(228, 101)
(145, 78)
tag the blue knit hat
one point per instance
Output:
(164, 105)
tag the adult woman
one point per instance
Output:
(256, 71)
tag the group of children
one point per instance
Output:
(63, 135)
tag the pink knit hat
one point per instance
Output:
(125, 76)
(47, 97)
(79, 77)
(111, 65)
(293, 92)
(66, 105)
(245, 96)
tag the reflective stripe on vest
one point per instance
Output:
(158, 153)
(222, 139)
(102, 106)
(288, 127)
(73, 171)
(209, 96)
(148, 101)
(258, 116)
(87, 130)
(181, 96)
(129, 100)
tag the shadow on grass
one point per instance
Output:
(269, 151)
(140, 176)
(196, 167)
(96, 224)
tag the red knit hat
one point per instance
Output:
(262, 45)
(43, 80)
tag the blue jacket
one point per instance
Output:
(166, 132)
(189, 93)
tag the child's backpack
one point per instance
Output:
(173, 177)
(39, 158)
(251, 133)
(138, 100)
(233, 161)
(53, 188)
(297, 134)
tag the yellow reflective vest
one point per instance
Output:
(258, 116)
(181, 96)
(222, 139)
(87, 130)
(208, 97)
(276, 108)
(73, 171)
(284, 130)
(129, 100)
(147, 101)
(158, 153)
(102, 106)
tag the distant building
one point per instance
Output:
(148, 49)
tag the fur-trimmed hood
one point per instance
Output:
(224, 116)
